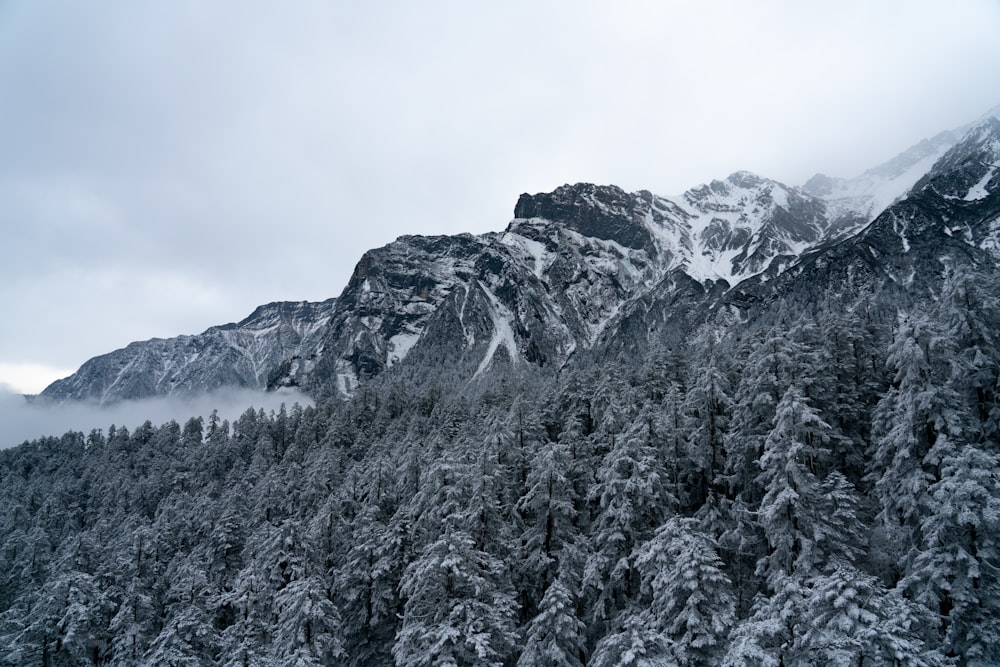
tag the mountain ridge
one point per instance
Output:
(566, 273)
(240, 354)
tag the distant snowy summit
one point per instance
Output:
(587, 268)
(878, 188)
(875, 190)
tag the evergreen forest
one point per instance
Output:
(816, 485)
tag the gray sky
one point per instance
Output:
(168, 166)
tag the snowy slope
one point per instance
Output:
(950, 215)
(865, 196)
(739, 225)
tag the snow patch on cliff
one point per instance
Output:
(503, 334)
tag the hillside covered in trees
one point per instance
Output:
(817, 485)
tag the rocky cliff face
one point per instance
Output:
(566, 269)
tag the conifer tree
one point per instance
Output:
(919, 408)
(956, 572)
(369, 577)
(791, 509)
(631, 498)
(59, 624)
(188, 636)
(632, 644)
(308, 629)
(691, 600)
(769, 371)
(849, 618)
(555, 637)
(707, 405)
(459, 608)
(969, 308)
(549, 510)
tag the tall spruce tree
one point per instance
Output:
(690, 599)
(920, 407)
(630, 495)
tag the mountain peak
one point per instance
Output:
(569, 197)
(992, 113)
(820, 185)
(598, 211)
(230, 355)
(746, 179)
(736, 184)
(283, 310)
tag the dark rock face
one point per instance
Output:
(583, 268)
(387, 303)
(600, 212)
(535, 294)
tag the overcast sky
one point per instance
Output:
(168, 166)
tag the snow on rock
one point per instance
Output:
(530, 249)
(503, 334)
(347, 382)
(979, 191)
(572, 269)
(739, 225)
(991, 240)
(400, 345)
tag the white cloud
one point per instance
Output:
(21, 420)
(29, 378)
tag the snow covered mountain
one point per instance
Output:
(231, 355)
(735, 363)
(560, 274)
(869, 194)
(950, 215)
(587, 267)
